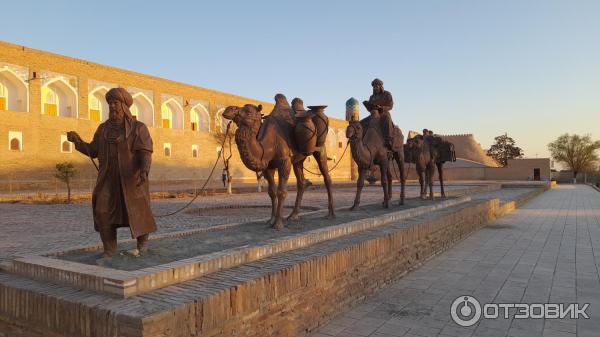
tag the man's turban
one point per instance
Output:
(120, 95)
(376, 82)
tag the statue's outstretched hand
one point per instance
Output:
(73, 137)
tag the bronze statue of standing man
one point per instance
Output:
(380, 104)
(121, 197)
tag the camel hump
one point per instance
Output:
(282, 110)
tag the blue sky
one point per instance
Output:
(529, 68)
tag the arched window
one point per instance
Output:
(143, 109)
(14, 92)
(65, 144)
(167, 149)
(194, 151)
(97, 105)
(194, 120)
(15, 140)
(15, 144)
(50, 101)
(135, 111)
(95, 108)
(173, 113)
(341, 138)
(59, 98)
(220, 121)
(331, 138)
(199, 115)
(167, 116)
(3, 97)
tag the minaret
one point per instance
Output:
(352, 110)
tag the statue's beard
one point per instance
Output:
(116, 119)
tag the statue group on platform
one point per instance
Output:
(278, 142)
(289, 134)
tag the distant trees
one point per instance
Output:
(65, 172)
(503, 149)
(577, 152)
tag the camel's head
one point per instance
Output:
(414, 143)
(354, 130)
(248, 115)
(412, 148)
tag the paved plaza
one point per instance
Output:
(39, 228)
(548, 251)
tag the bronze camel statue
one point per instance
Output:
(368, 149)
(271, 145)
(427, 153)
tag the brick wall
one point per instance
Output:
(41, 133)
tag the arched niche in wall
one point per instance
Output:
(172, 114)
(59, 98)
(331, 139)
(199, 118)
(97, 105)
(14, 93)
(341, 138)
(142, 109)
(220, 122)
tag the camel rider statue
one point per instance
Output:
(380, 104)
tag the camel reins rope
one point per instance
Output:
(396, 172)
(207, 179)
(334, 166)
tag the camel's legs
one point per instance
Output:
(299, 173)
(390, 178)
(360, 183)
(420, 173)
(384, 169)
(400, 162)
(269, 174)
(440, 167)
(430, 174)
(283, 172)
(321, 158)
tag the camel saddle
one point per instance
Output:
(445, 150)
(310, 131)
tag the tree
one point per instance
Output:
(504, 149)
(577, 152)
(65, 172)
(226, 152)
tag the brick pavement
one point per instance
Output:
(546, 251)
(37, 228)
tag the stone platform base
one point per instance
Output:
(287, 294)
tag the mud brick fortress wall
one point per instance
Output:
(43, 95)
